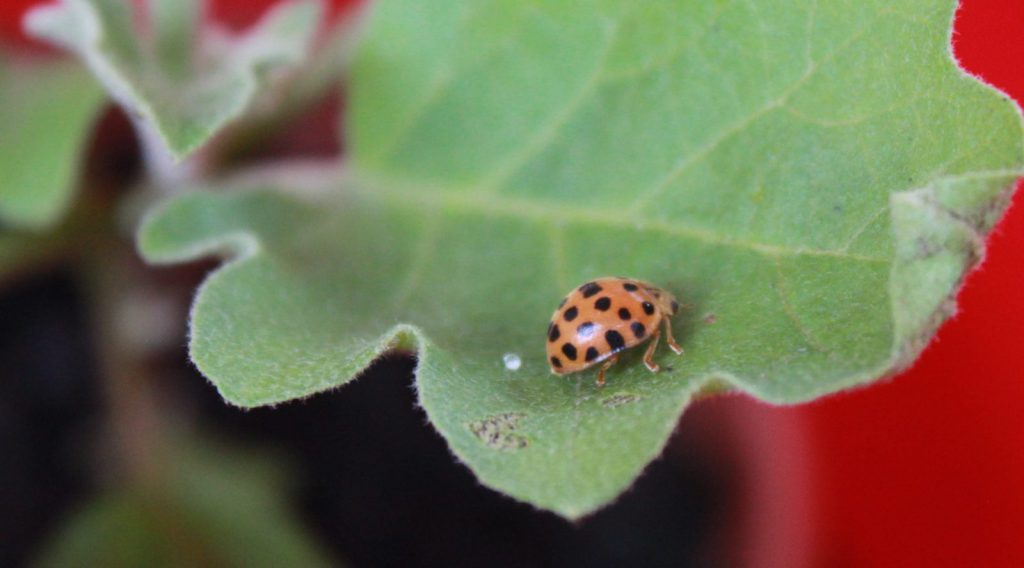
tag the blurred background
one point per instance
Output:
(115, 451)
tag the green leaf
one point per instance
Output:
(208, 509)
(45, 114)
(186, 83)
(813, 177)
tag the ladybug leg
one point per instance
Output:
(600, 372)
(648, 356)
(671, 340)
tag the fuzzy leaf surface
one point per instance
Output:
(184, 81)
(815, 178)
(45, 114)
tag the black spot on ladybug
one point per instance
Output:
(675, 306)
(589, 289)
(624, 314)
(638, 329)
(629, 286)
(556, 362)
(603, 303)
(570, 314)
(570, 351)
(553, 333)
(614, 339)
(591, 354)
(648, 308)
(585, 331)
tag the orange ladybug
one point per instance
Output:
(603, 317)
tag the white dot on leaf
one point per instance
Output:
(512, 361)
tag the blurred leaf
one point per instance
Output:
(185, 82)
(13, 250)
(21, 253)
(311, 84)
(45, 114)
(211, 509)
(815, 177)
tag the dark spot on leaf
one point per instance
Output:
(603, 303)
(925, 248)
(710, 318)
(675, 307)
(570, 314)
(619, 399)
(498, 432)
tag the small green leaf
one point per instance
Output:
(208, 509)
(815, 178)
(185, 82)
(45, 115)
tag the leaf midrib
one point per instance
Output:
(487, 201)
(555, 215)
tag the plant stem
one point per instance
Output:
(116, 281)
(165, 173)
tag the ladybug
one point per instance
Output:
(601, 318)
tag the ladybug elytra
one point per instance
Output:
(601, 318)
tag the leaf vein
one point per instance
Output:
(671, 56)
(809, 32)
(686, 161)
(439, 87)
(425, 249)
(547, 134)
(504, 206)
(782, 292)
(558, 259)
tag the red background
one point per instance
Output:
(924, 469)
(927, 469)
